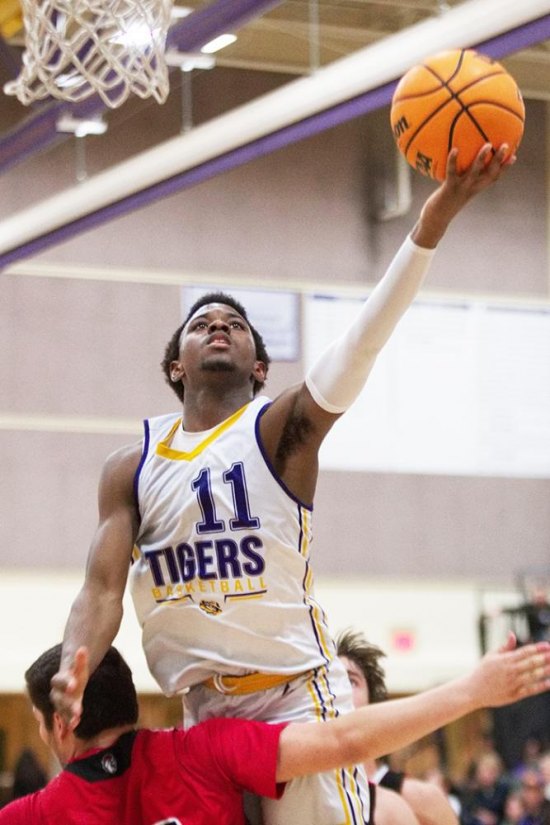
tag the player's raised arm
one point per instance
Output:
(96, 613)
(374, 730)
(339, 374)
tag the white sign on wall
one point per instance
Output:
(460, 388)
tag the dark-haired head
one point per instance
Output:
(110, 698)
(172, 351)
(366, 656)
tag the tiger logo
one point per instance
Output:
(211, 608)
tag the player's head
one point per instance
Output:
(362, 662)
(110, 698)
(172, 350)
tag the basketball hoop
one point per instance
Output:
(78, 48)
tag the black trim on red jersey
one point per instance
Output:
(106, 764)
(392, 780)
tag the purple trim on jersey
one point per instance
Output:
(356, 777)
(268, 463)
(310, 606)
(343, 773)
(144, 452)
(348, 796)
(300, 505)
(241, 595)
(319, 696)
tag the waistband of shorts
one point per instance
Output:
(250, 683)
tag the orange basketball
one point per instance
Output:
(459, 99)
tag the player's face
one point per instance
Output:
(359, 687)
(43, 731)
(217, 339)
(47, 735)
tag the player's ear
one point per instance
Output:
(259, 371)
(176, 371)
(61, 728)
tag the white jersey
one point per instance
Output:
(221, 581)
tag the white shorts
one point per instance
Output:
(339, 797)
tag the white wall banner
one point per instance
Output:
(461, 388)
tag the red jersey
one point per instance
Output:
(160, 777)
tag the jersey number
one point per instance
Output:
(235, 477)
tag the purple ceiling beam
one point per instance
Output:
(215, 19)
(39, 132)
(529, 34)
(526, 35)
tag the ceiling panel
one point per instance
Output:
(298, 35)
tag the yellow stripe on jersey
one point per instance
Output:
(305, 538)
(318, 680)
(343, 797)
(318, 616)
(317, 613)
(354, 789)
(166, 451)
(343, 773)
(319, 622)
(314, 698)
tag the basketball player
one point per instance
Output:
(216, 504)
(115, 774)
(362, 662)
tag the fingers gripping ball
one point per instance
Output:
(459, 99)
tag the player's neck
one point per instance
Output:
(103, 740)
(204, 410)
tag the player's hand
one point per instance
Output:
(68, 687)
(485, 169)
(511, 673)
(457, 189)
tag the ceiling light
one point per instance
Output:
(187, 61)
(219, 43)
(178, 12)
(81, 127)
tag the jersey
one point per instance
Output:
(168, 777)
(221, 580)
(222, 584)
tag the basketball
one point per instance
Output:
(456, 98)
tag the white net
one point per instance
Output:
(77, 48)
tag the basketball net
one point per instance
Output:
(78, 48)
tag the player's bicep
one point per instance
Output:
(113, 541)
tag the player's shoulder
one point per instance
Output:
(120, 468)
(276, 413)
(22, 811)
(124, 457)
